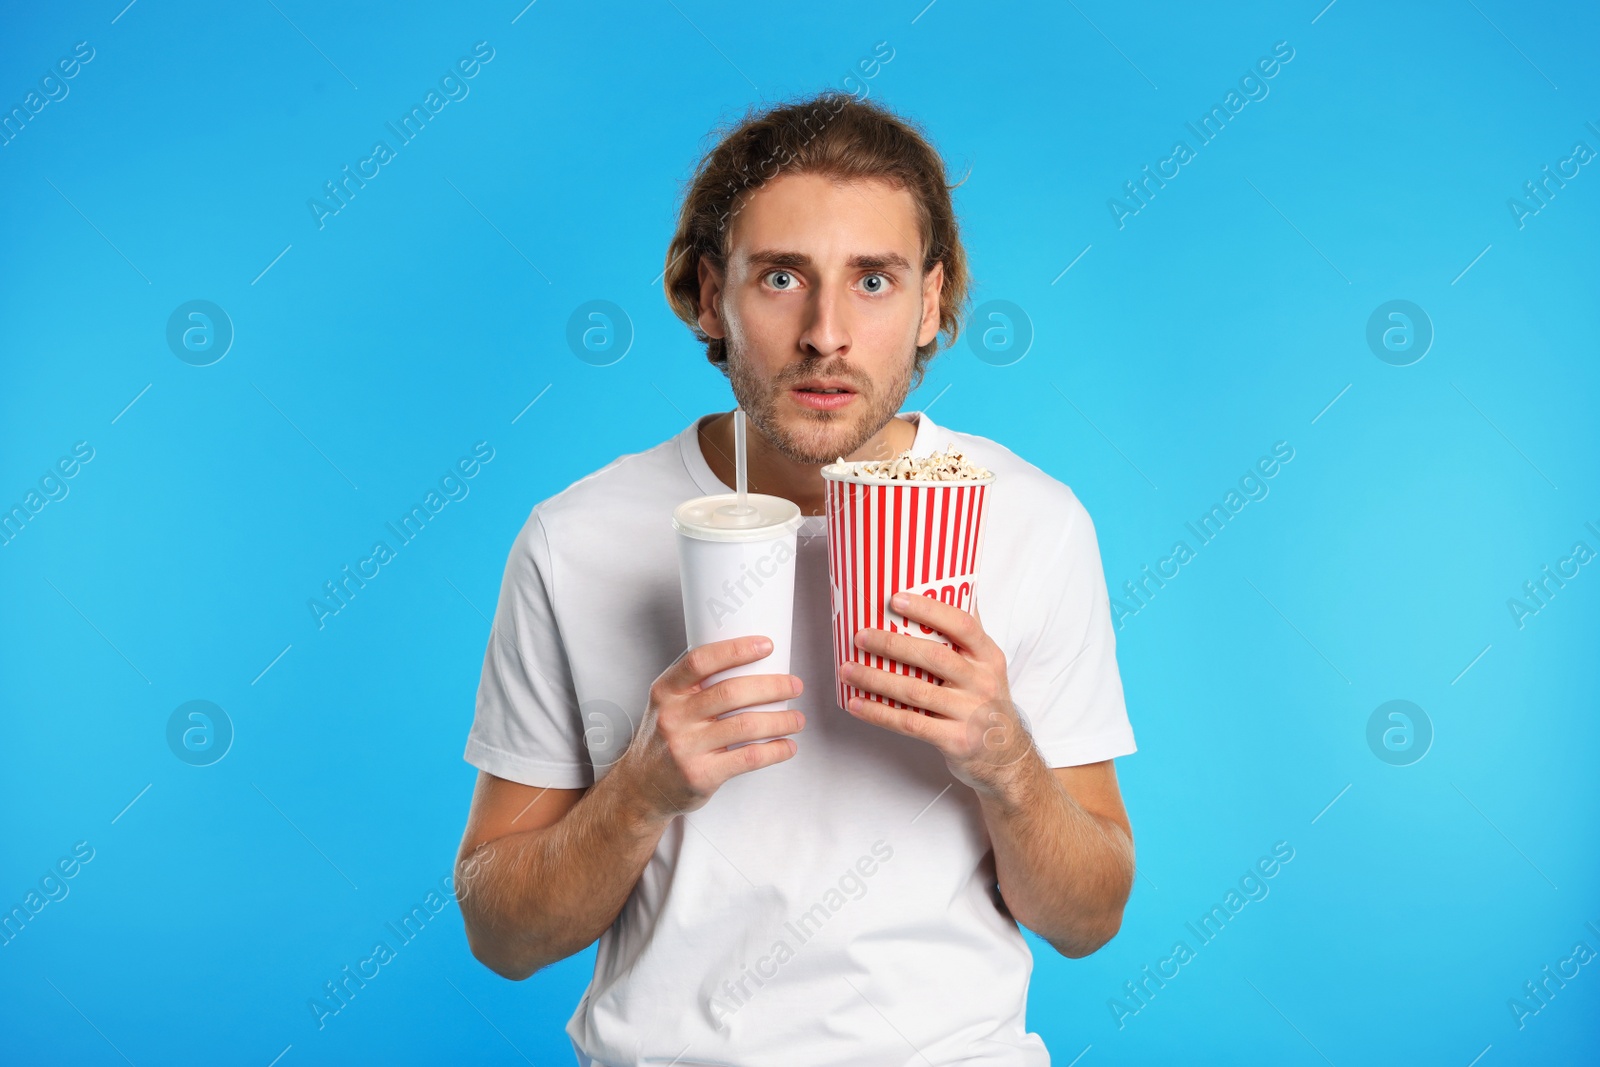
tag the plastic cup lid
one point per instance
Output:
(702, 518)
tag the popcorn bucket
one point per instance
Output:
(891, 535)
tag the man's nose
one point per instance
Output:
(827, 328)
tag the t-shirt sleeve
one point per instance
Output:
(527, 726)
(1064, 677)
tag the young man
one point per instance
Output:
(849, 894)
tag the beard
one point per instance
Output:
(803, 435)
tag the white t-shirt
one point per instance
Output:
(839, 907)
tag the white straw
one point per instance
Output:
(740, 477)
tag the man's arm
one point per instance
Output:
(1063, 851)
(542, 873)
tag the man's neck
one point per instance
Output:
(773, 473)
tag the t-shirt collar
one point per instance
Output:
(695, 461)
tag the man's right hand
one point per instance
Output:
(679, 755)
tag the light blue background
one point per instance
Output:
(425, 316)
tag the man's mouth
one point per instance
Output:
(822, 395)
(823, 385)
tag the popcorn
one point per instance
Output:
(947, 466)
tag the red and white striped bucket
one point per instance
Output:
(888, 535)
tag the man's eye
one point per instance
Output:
(881, 282)
(780, 279)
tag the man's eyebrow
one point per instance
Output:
(777, 258)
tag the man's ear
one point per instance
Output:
(710, 299)
(932, 286)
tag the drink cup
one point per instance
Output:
(891, 535)
(737, 574)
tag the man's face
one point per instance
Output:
(823, 290)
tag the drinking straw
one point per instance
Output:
(740, 512)
(740, 477)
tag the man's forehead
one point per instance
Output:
(792, 220)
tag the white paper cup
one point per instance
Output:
(888, 535)
(738, 581)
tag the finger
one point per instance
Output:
(751, 726)
(701, 662)
(726, 765)
(940, 699)
(742, 691)
(922, 727)
(954, 623)
(935, 657)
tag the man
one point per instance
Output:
(849, 893)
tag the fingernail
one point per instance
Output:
(794, 684)
(900, 600)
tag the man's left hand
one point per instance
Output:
(971, 718)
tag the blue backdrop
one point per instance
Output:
(1375, 253)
